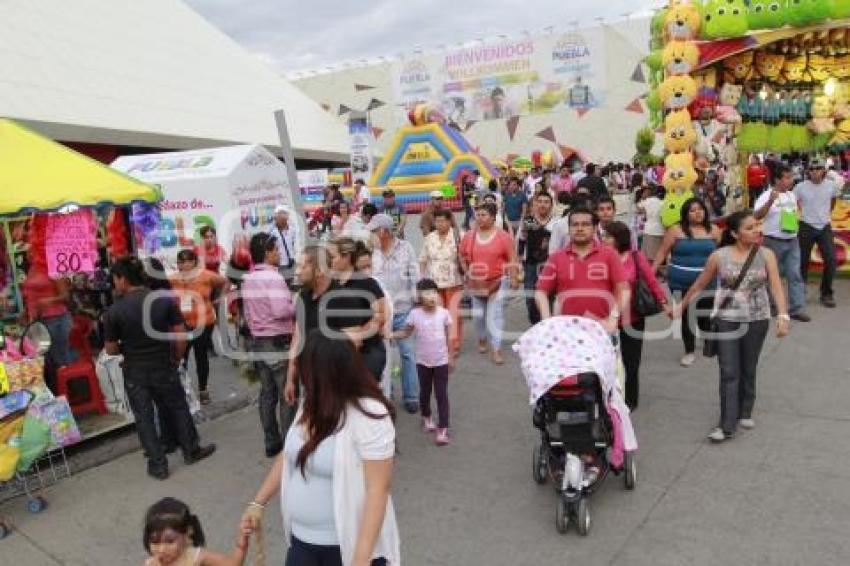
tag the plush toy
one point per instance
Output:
(680, 57)
(737, 68)
(679, 179)
(730, 96)
(725, 18)
(822, 121)
(801, 138)
(819, 67)
(682, 21)
(840, 9)
(677, 92)
(779, 138)
(753, 137)
(802, 13)
(841, 68)
(765, 14)
(769, 65)
(679, 134)
(704, 105)
(653, 104)
(841, 140)
(794, 68)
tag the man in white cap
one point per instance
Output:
(426, 223)
(395, 266)
(817, 197)
(286, 239)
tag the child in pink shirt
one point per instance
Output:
(430, 322)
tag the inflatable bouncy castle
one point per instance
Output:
(425, 156)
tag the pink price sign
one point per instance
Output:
(71, 245)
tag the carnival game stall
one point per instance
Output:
(735, 79)
(64, 217)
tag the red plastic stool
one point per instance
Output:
(81, 370)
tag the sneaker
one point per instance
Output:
(688, 360)
(442, 437)
(717, 435)
(411, 407)
(748, 424)
(828, 302)
(200, 453)
(801, 317)
(428, 424)
(205, 397)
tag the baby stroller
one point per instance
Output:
(585, 431)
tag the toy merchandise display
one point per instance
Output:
(724, 18)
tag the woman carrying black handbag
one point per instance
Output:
(743, 270)
(648, 299)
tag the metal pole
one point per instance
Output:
(289, 159)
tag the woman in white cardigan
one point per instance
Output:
(335, 471)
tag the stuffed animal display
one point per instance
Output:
(677, 92)
(679, 133)
(766, 14)
(725, 18)
(730, 96)
(800, 13)
(680, 57)
(738, 68)
(682, 21)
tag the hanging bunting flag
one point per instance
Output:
(376, 131)
(635, 106)
(638, 75)
(566, 151)
(547, 134)
(582, 111)
(358, 87)
(512, 124)
(343, 109)
(375, 103)
(469, 124)
(326, 107)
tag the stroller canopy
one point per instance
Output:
(563, 346)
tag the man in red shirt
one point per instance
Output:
(757, 177)
(586, 277)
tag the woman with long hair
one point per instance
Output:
(335, 472)
(632, 325)
(196, 289)
(689, 244)
(358, 292)
(341, 217)
(488, 258)
(743, 316)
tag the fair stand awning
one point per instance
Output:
(40, 175)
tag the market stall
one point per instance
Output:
(63, 217)
(739, 84)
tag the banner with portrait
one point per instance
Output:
(511, 77)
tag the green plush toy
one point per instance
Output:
(840, 9)
(725, 18)
(765, 14)
(779, 138)
(657, 27)
(801, 138)
(820, 141)
(807, 12)
(753, 137)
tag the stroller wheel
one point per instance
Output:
(539, 465)
(631, 470)
(583, 516)
(562, 516)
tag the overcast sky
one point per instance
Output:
(297, 35)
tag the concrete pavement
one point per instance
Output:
(779, 494)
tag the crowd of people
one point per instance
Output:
(321, 321)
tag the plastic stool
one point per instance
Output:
(81, 370)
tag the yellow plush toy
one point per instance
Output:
(738, 67)
(679, 179)
(682, 20)
(841, 139)
(680, 57)
(841, 68)
(822, 121)
(769, 65)
(679, 133)
(819, 67)
(794, 68)
(677, 92)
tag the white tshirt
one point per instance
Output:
(816, 202)
(652, 207)
(363, 196)
(785, 201)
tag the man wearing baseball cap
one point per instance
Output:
(396, 211)
(816, 197)
(395, 266)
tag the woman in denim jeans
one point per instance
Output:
(47, 302)
(743, 317)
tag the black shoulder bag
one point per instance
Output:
(709, 349)
(645, 303)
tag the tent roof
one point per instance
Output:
(38, 174)
(150, 74)
(217, 162)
